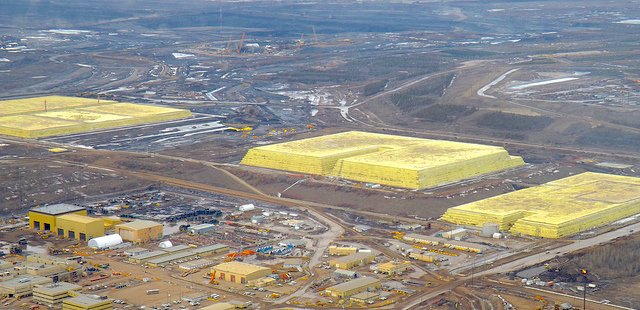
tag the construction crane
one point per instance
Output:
(300, 42)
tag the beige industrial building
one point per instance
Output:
(352, 287)
(139, 231)
(22, 286)
(239, 272)
(53, 294)
(341, 250)
(354, 260)
(219, 306)
(393, 267)
(87, 302)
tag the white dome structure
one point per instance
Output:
(165, 244)
(105, 241)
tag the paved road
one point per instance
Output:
(578, 245)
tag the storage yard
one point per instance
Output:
(555, 209)
(384, 159)
(56, 115)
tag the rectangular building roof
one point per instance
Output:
(79, 218)
(57, 288)
(177, 248)
(149, 255)
(25, 280)
(86, 301)
(355, 257)
(353, 284)
(170, 258)
(209, 248)
(238, 268)
(138, 224)
(57, 209)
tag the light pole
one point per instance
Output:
(473, 267)
(584, 292)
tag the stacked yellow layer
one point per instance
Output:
(556, 209)
(385, 159)
(38, 104)
(77, 115)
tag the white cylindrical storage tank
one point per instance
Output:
(105, 241)
(165, 244)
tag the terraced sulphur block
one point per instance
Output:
(385, 159)
(556, 209)
(66, 115)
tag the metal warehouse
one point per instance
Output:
(354, 260)
(53, 294)
(352, 287)
(139, 231)
(44, 218)
(239, 272)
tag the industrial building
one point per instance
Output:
(144, 257)
(139, 231)
(57, 115)
(212, 249)
(452, 244)
(79, 227)
(354, 260)
(339, 250)
(364, 297)
(201, 229)
(196, 264)
(352, 287)
(383, 159)
(44, 218)
(393, 267)
(219, 306)
(429, 258)
(555, 209)
(22, 286)
(239, 272)
(176, 254)
(53, 294)
(87, 302)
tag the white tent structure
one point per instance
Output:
(165, 244)
(105, 241)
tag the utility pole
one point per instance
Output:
(584, 292)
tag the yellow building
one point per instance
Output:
(556, 209)
(139, 231)
(385, 159)
(44, 218)
(79, 227)
(239, 272)
(352, 287)
(394, 267)
(53, 294)
(354, 260)
(86, 302)
(339, 250)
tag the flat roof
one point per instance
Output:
(80, 218)
(57, 209)
(86, 301)
(176, 248)
(210, 248)
(169, 258)
(365, 295)
(239, 268)
(355, 283)
(356, 256)
(149, 255)
(219, 306)
(57, 288)
(24, 280)
(197, 262)
(139, 224)
(392, 264)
